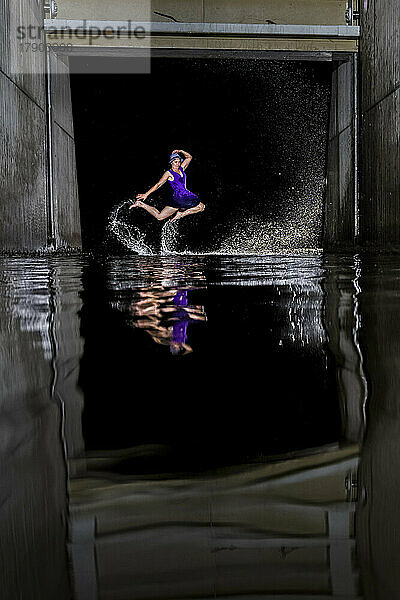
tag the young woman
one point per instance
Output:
(183, 202)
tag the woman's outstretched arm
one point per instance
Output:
(188, 158)
(155, 187)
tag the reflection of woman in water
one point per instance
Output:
(183, 202)
(165, 315)
(181, 321)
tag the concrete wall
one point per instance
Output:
(67, 223)
(296, 12)
(23, 159)
(303, 12)
(340, 207)
(380, 131)
(25, 202)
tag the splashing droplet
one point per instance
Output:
(169, 238)
(128, 235)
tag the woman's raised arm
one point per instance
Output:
(188, 158)
(155, 187)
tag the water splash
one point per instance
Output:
(169, 238)
(297, 232)
(253, 237)
(128, 235)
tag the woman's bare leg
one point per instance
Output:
(160, 216)
(190, 211)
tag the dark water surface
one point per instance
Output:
(181, 427)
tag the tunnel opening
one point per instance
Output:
(258, 133)
(257, 130)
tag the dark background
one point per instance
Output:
(257, 131)
(252, 127)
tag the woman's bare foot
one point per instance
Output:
(136, 204)
(177, 216)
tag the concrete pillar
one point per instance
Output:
(66, 225)
(23, 160)
(28, 212)
(380, 117)
(340, 207)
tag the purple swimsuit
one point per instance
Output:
(179, 328)
(181, 198)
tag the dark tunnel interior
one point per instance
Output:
(257, 131)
